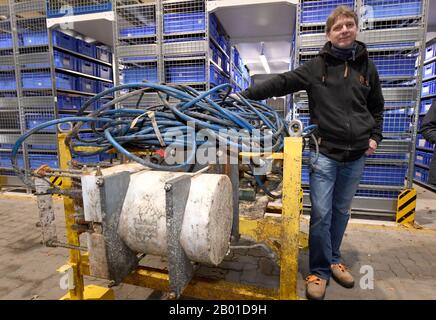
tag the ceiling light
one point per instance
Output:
(263, 60)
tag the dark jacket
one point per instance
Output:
(345, 97)
(428, 130)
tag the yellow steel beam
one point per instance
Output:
(77, 293)
(290, 217)
(274, 156)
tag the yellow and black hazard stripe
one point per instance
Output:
(57, 181)
(406, 206)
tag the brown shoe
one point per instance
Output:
(342, 276)
(315, 287)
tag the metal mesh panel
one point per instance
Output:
(393, 32)
(58, 8)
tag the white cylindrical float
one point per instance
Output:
(207, 220)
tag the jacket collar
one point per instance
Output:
(361, 51)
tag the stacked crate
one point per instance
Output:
(137, 45)
(394, 33)
(60, 8)
(240, 76)
(424, 149)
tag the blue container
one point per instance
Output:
(42, 146)
(383, 175)
(396, 123)
(65, 81)
(77, 9)
(189, 72)
(428, 88)
(86, 48)
(393, 8)
(64, 60)
(305, 174)
(429, 70)
(104, 72)
(5, 160)
(35, 119)
(104, 54)
(63, 40)
(86, 85)
(86, 67)
(144, 30)
(36, 80)
(37, 160)
(425, 106)
(102, 86)
(6, 40)
(137, 75)
(28, 39)
(395, 65)
(377, 194)
(423, 157)
(430, 52)
(421, 174)
(318, 11)
(8, 82)
(69, 102)
(184, 22)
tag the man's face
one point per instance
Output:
(343, 32)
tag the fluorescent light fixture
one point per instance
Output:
(264, 61)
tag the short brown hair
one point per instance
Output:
(340, 11)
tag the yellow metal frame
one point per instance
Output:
(282, 234)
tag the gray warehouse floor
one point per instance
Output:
(403, 260)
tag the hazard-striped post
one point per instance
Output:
(406, 206)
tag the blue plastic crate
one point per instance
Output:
(421, 174)
(188, 72)
(104, 72)
(8, 82)
(428, 88)
(214, 75)
(144, 30)
(425, 106)
(86, 85)
(35, 119)
(429, 70)
(305, 174)
(36, 80)
(102, 86)
(396, 123)
(137, 75)
(392, 156)
(318, 11)
(77, 9)
(393, 8)
(377, 194)
(6, 40)
(395, 65)
(37, 160)
(42, 146)
(423, 157)
(86, 48)
(33, 38)
(65, 81)
(63, 40)
(383, 175)
(5, 160)
(305, 119)
(86, 67)
(69, 102)
(64, 60)
(184, 22)
(430, 52)
(104, 54)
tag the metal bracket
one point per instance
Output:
(180, 269)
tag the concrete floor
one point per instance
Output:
(403, 260)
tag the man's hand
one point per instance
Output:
(372, 147)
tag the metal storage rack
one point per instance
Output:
(394, 32)
(424, 149)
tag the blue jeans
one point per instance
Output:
(333, 185)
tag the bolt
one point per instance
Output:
(99, 182)
(168, 187)
(98, 172)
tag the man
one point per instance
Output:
(346, 102)
(428, 130)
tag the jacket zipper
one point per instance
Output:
(346, 73)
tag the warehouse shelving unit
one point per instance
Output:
(394, 32)
(424, 149)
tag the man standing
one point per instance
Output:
(346, 103)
